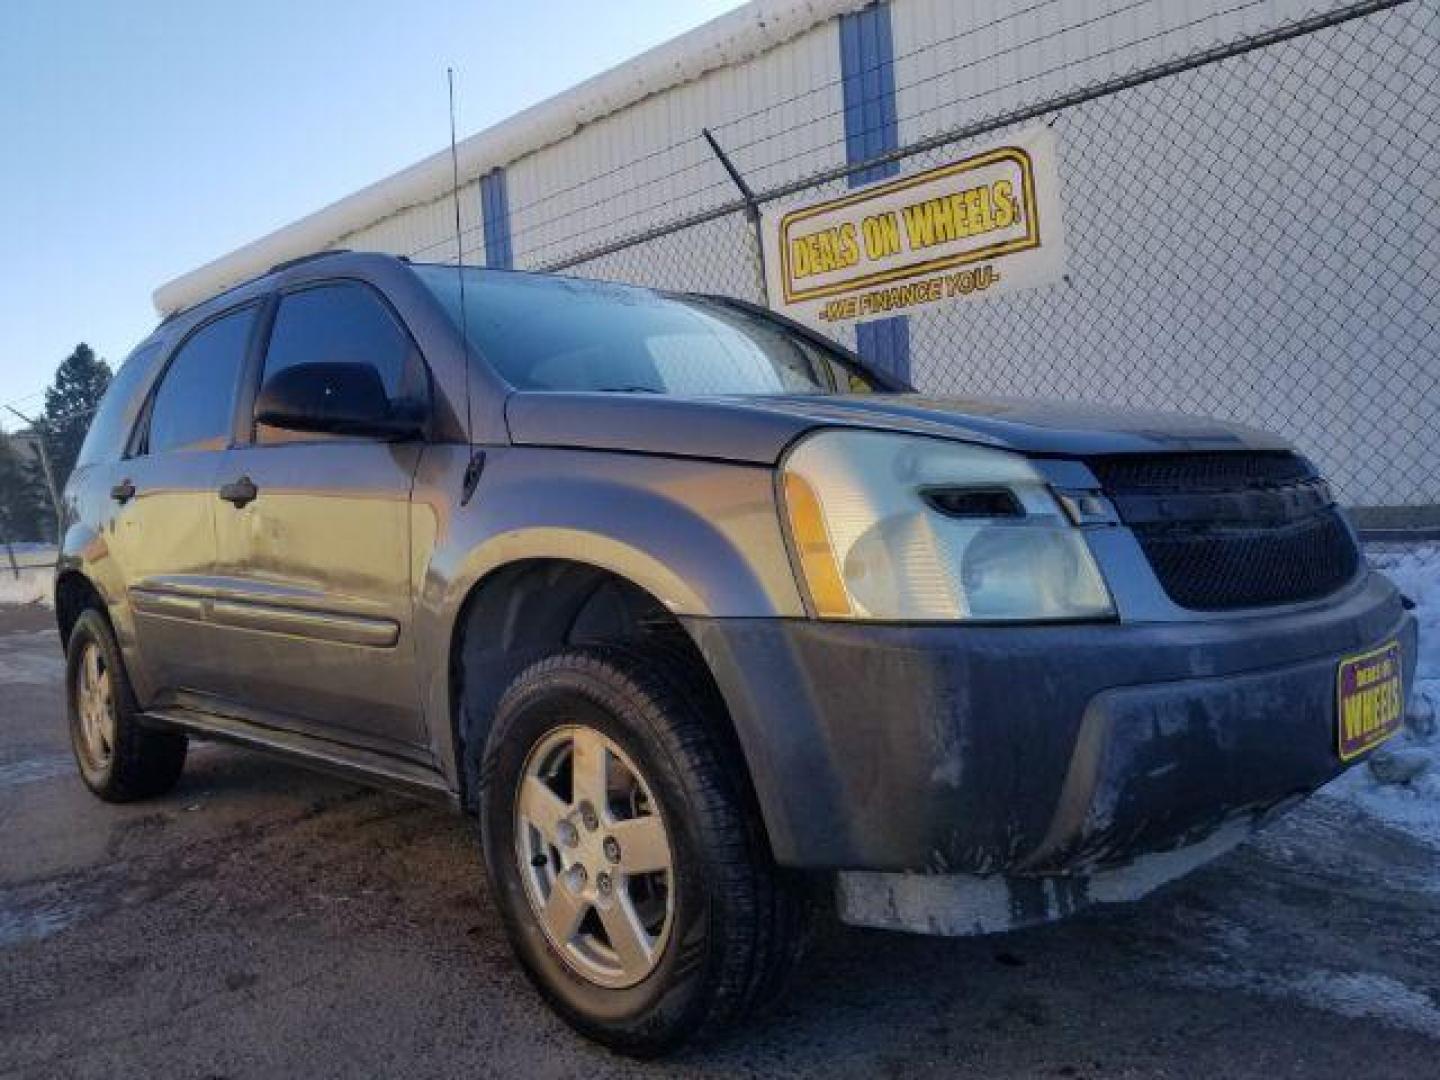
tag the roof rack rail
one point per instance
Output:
(287, 263)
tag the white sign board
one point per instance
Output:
(987, 223)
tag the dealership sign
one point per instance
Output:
(987, 223)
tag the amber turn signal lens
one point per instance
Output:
(812, 544)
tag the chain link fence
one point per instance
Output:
(1255, 239)
(34, 464)
(1252, 232)
(1252, 225)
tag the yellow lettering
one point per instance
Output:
(824, 251)
(977, 210)
(882, 235)
(817, 253)
(799, 258)
(1003, 196)
(948, 216)
(826, 241)
(849, 249)
(920, 224)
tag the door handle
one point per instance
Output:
(240, 492)
(123, 492)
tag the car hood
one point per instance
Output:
(758, 429)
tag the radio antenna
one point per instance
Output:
(477, 460)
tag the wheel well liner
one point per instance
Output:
(74, 592)
(526, 610)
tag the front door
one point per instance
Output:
(313, 541)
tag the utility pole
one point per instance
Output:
(38, 439)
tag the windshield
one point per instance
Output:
(557, 333)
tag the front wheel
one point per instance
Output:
(630, 868)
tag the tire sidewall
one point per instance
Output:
(664, 999)
(90, 627)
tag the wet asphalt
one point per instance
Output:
(263, 921)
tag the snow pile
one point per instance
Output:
(1365, 994)
(33, 586)
(1401, 784)
(1356, 994)
(1416, 573)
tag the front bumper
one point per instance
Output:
(1035, 751)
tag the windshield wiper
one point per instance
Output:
(627, 390)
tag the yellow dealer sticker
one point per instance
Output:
(1370, 696)
(984, 224)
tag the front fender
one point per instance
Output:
(702, 537)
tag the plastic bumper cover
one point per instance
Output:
(1035, 750)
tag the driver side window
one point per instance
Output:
(343, 323)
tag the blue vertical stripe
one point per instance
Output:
(495, 212)
(867, 73)
(886, 344)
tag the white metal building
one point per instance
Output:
(1250, 191)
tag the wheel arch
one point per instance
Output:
(565, 602)
(74, 592)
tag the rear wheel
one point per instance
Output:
(629, 865)
(119, 760)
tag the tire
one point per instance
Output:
(119, 760)
(733, 923)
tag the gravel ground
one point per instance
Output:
(263, 921)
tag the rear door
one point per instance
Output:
(162, 532)
(314, 544)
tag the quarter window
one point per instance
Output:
(109, 431)
(194, 408)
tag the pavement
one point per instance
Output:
(263, 921)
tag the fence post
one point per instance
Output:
(752, 211)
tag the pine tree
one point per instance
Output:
(70, 401)
(22, 505)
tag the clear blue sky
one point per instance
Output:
(139, 139)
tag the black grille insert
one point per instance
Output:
(1226, 531)
(1202, 472)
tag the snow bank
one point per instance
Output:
(31, 587)
(1416, 573)
(1413, 806)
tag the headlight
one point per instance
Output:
(899, 527)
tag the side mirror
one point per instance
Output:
(334, 398)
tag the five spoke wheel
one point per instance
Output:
(95, 702)
(594, 855)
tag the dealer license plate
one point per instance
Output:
(1371, 697)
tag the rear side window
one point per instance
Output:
(195, 405)
(343, 323)
(110, 429)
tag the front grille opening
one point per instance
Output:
(1247, 559)
(1202, 471)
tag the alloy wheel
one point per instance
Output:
(95, 702)
(595, 856)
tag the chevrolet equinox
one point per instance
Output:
(707, 620)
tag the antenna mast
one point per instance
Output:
(459, 252)
(477, 458)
